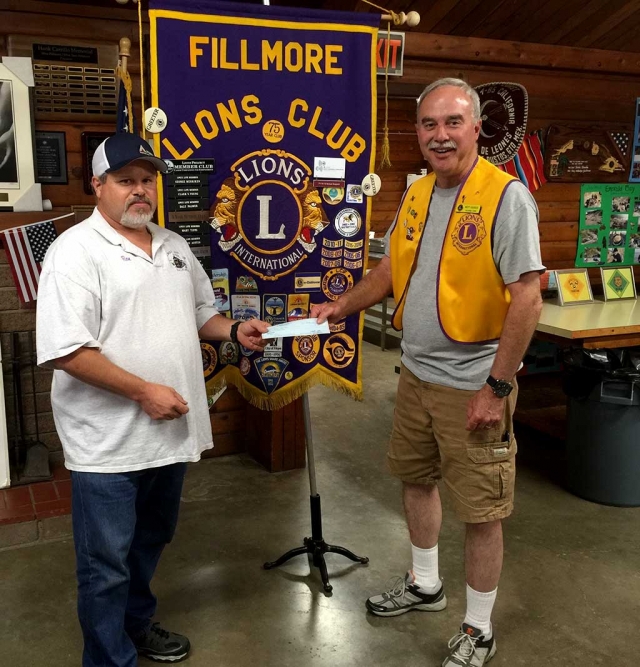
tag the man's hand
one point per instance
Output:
(484, 410)
(330, 310)
(162, 402)
(250, 334)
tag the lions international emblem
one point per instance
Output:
(268, 213)
(469, 233)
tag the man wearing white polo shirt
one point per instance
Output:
(122, 304)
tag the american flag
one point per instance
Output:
(124, 119)
(26, 248)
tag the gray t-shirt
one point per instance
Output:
(427, 352)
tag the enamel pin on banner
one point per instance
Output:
(284, 102)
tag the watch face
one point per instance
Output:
(502, 388)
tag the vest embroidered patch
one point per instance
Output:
(468, 233)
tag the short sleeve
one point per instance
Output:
(203, 293)
(516, 242)
(67, 317)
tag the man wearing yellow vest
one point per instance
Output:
(463, 262)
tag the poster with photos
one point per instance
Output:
(609, 232)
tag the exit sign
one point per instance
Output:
(395, 50)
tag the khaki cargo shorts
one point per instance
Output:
(429, 442)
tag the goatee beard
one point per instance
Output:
(135, 220)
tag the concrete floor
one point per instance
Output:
(569, 595)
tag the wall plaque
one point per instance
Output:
(90, 142)
(587, 154)
(74, 80)
(51, 158)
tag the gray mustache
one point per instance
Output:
(139, 200)
(442, 144)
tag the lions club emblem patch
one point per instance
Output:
(468, 233)
(268, 213)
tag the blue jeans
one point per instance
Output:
(121, 523)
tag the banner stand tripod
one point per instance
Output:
(315, 545)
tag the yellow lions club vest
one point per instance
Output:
(472, 299)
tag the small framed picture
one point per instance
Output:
(573, 287)
(618, 283)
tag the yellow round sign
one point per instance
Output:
(273, 131)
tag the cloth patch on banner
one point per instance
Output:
(245, 306)
(331, 263)
(336, 283)
(306, 348)
(275, 308)
(331, 253)
(353, 245)
(220, 284)
(308, 282)
(270, 372)
(273, 348)
(297, 307)
(330, 243)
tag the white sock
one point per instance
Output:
(425, 568)
(479, 608)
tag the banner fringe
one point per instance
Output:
(283, 397)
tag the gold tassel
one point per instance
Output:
(385, 150)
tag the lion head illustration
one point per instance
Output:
(224, 214)
(313, 218)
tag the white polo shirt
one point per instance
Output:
(143, 313)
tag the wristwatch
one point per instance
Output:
(501, 388)
(234, 331)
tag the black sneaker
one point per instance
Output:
(156, 643)
(406, 596)
(470, 648)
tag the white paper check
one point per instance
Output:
(306, 327)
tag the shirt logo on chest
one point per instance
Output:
(178, 261)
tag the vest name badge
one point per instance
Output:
(468, 233)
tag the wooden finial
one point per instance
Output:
(125, 47)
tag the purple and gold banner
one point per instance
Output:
(270, 130)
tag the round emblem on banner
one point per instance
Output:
(348, 222)
(503, 110)
(305, 348)
(336, 282)
(333, 195)
(339, 350)
(229, 353)
(371, 184)
(273, 131)
(209, 360)
(155, 120)
(245, 366)
(288, 375)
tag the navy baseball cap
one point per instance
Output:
(119, 150)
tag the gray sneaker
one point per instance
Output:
(156, 643)
(404, 596)
(469, 648)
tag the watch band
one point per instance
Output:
(234, 331)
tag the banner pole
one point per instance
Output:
(315, 545)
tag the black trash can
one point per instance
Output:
(603, 439)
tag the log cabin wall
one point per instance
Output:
(565, 85)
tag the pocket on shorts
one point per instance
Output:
(494, 463)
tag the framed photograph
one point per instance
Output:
(90, 142)
(18, 188)
(618, 283)
(573, 287)
(51, 158)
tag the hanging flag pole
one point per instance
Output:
(124, 122)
